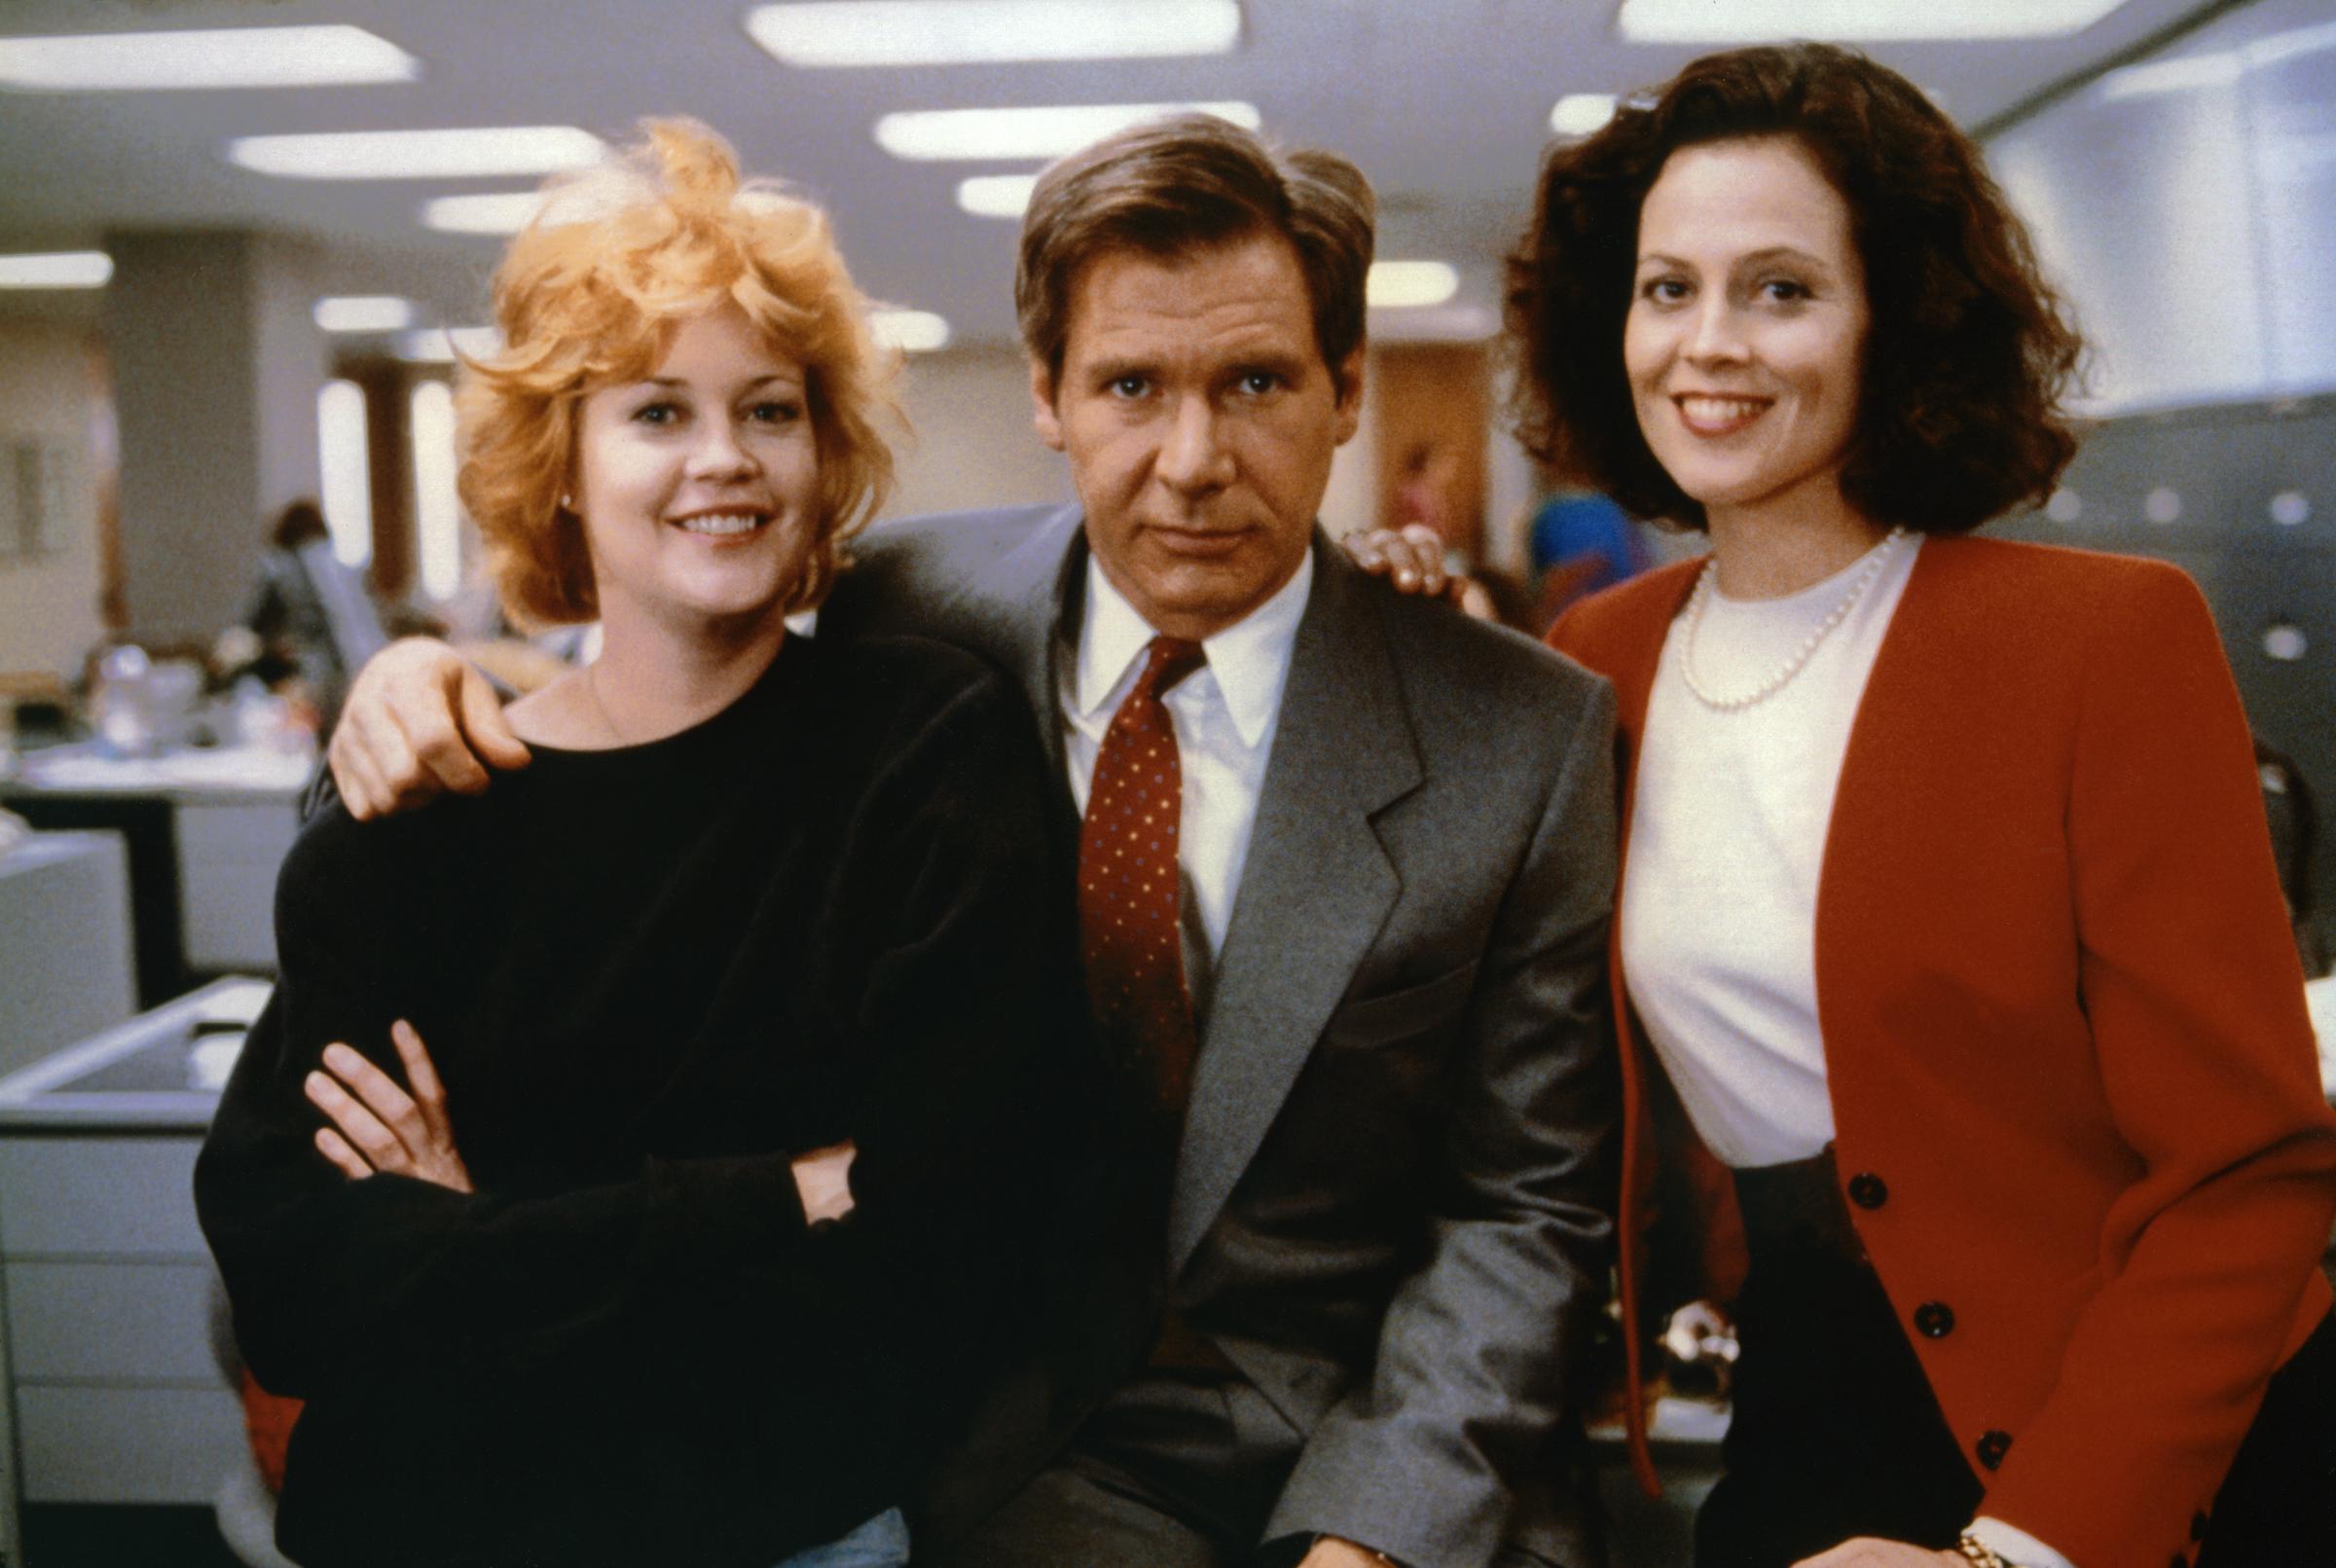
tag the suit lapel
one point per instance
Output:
(1315, 889)
(1034, 590)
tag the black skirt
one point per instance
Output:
(1836, 1432)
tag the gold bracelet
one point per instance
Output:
(1980, 1555)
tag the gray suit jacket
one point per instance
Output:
(1391, 1207)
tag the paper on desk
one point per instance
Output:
(2320, 995)
(236, 1002)
(212, 1056)
(210, 1060)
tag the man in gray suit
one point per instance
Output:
(1379, 1099)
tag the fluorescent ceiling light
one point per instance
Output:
(487, 213)
(912, 332)
(2188, 73)
(56, 269)
(208, 57)
(1048, 133)
(996, 196)
(436, 345)
(364, 312)
(417, 155)
(1759, 21)
(951, 32)
(2184, 75)
(1409, 284)
(2273, 49)
(1578, 114)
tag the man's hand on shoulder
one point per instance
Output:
(418, 723)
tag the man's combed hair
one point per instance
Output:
(1189, 182)
(1970, 353)
(589, 296)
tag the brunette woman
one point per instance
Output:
(1949, 912)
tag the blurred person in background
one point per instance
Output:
(1579, 542)
(310, 619)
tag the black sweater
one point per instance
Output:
(647, 977)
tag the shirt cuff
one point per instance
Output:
(2010, 1541)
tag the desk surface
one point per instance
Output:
(38, 851)
(242, 773)
(151, 1073)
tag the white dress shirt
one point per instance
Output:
(1225, 714)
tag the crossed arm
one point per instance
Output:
(375, 1126)
(474, 1272)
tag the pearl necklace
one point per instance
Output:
(1868, 574)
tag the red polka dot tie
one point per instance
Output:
(1127, 880)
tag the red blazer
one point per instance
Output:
(2064, 1028)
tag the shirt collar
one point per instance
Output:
(1249, 659)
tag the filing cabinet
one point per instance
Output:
(103, 1272)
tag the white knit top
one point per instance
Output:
(1718, 921)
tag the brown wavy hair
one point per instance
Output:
(588, 296)
(1969, 354)
(1186, 182)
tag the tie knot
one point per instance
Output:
(1172, 659)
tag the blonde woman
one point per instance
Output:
(628, 1169)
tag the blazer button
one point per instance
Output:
(2198, 1526)
(1934, 1319)
(2180, 1561)
(1868, 1190)
(1994, 1444)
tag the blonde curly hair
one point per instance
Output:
(588, 296)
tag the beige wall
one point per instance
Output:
(216, 368)
(971, 443)
(49, 607)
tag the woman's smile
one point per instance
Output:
(1710, 413)
(722, 522)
